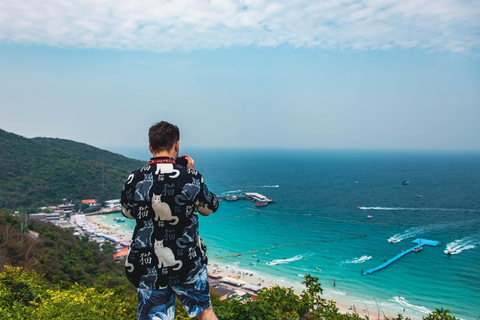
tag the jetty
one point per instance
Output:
(419, 243)
(252, 196)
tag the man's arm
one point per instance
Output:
(207, 201)
(126, 199)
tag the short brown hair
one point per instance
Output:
(163, 135)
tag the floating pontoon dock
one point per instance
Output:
(253, 196)
(419, 242)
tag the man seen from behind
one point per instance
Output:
(167, 257)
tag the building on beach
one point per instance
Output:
(90, 202)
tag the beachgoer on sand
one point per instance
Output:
(167, 257)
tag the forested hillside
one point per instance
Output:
(90, 152)
(33, 173)
(56, 253)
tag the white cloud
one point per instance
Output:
(171, 25)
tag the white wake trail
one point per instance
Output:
(412, 232)
(460, 245)
(283, 261)
(362, 259)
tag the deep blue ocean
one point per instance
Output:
(316, 227)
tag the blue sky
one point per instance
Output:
(333, 74)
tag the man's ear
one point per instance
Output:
(177, 146)
(150, 148)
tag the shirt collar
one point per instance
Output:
(157, 160)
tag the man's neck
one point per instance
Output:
(164, 154)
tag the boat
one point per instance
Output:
(405, 182)
(361, 208)
(119, 219)
(392, 240)
(231, 198)
(369, 217)
(261, 203)
(417, 249)
(449, 251)
(418, 196)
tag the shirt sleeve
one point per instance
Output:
(207, 201)
(126, 199)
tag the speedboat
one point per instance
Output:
(449, 251)
(392, 240)
(261, 203)
(417, 249)
(369, 217)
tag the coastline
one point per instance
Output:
(247, 276)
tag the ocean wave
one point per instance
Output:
(405, 303)
(341, 293)
(283, 261)
(460, 245)
(359, 260)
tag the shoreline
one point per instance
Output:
(345, 305)
(266, 281)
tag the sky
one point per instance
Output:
(333, 74)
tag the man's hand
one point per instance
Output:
(190, 162)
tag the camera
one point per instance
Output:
(181, 161)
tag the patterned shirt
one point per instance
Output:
(164, 198)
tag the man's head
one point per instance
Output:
(163, 137)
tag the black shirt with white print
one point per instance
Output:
(164, 198)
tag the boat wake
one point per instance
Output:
(232, 191)
(283, 261)
(405, 303)
(458, 246)
(412, 232)
(362, 259)
(415, 231)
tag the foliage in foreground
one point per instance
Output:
(27, 295)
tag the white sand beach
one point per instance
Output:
(243, 277)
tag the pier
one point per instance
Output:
(419, 243)
(252, 196)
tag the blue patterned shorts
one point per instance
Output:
(160, 304)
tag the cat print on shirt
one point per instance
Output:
(165, 256)
(127, 211)
(129, 266)
(186, 238)
(167, 168)
(199, 245)
(162, 210)
(189, 192)
(142, 188)
(148, 280)
(143, 238)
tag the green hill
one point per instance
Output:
(43, 171)
(90, 152)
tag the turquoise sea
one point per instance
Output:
(316, 227)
